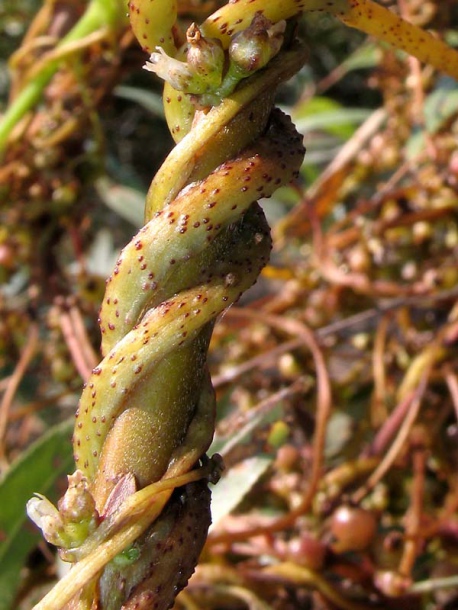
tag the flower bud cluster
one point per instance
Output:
(212, 73)
(67, 526)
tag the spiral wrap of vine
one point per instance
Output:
(136, 514)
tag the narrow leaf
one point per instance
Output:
(233, 487)
(35, 471)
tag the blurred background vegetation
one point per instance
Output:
(337, 374)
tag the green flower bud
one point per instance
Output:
(196, 78)
(205, 56)
(76, 518)
(249, 51)
(77, 505)
(253, 48)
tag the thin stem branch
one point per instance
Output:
(19, 372)
(77, 340)
(398, 443)
(413, 518)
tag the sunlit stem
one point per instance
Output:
(385, 25)
(365, 15)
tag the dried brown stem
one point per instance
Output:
(77, 340)
(413, 518)
(15, 379)
(397, 446)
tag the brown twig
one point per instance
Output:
(258, 361)
(412, 543)
(378, 404)
(414, 403)
(452, 384)
(76, 338)
(389, 428)
(15, 379)
(264, 407)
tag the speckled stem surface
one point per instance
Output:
(149, 403)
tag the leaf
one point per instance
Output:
(238, 481)
(102, 256)
(338, 433)
(35, 471)
(366, 56)
(441, 105)
(147, 99)
(127, 202)
(415, 144)
(313, 106)
(224, 445)
(340, 122)
(439, 108)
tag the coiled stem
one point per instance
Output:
(147, 412)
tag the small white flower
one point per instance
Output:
(40, 509)
(45, 516)
(169, 69)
